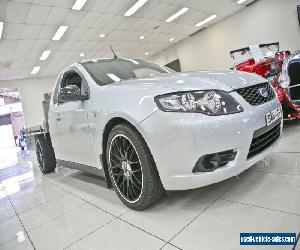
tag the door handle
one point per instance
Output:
(58, 118)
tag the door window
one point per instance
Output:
(71, 77)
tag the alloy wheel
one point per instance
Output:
(125, 168)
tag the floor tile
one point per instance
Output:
(21, 242)
(118, 235)
(49, 211)
(280, 192)
(30, 198)
(222, 223)
(9, 229)
(84, 185)
(110, 202)
(6, 209)
(297, 246)
(280, 163)
(171, 214)
(62, 231)
(169, 247)
(289, 141)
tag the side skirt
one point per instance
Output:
(81, 167)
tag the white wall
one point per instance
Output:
(32, 93)
(263, 21)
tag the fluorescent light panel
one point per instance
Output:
(177, 14)
(171, 39)
(142, 37)
(1, 28)
(35, 70)
(45, 55)
(78, 4)
(206, 20)
(241, 1)
(59, 33)
(102, 35)
(81, 54)
(135, 7)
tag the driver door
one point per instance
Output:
(73, 133)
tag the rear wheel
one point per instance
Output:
(45, 155)
(132, 169)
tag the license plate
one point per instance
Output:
(273, 116)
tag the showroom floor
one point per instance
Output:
(70, 209)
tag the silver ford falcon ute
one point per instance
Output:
(147, 129)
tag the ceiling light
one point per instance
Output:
(171, 39)
(1, 28)
(146, 53)
(45, 55)
(59, 33)
(81, 54)
(102, 35)
(206, 20)
(135, 7)
(78, 4)
(142, 37)
(177, 14)
(241, 1)
(35, 70)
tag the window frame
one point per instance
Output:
(83, 83)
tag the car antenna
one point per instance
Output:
(115, 55)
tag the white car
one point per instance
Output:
(148, 129)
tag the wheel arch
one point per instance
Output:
(107, 128)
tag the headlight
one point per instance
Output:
(209, 102)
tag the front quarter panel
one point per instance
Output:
(131, 102)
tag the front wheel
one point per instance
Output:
(45, 155)
(132, 169)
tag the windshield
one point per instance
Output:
(107, 71)
(256, 52)
(270, 50)
(241, 56)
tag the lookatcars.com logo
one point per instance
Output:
(268, 239)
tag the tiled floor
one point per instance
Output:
(70, 209)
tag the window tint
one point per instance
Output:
(106, 71)
(71, 78)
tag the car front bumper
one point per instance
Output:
(178, 140)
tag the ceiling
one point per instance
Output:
(29, 26)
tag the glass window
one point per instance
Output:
(71, 78)
(106, 71)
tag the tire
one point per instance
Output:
(45, 155)
(285, 111)
(132, 169)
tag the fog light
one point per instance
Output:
(210, 162)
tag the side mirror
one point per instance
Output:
(71, 93)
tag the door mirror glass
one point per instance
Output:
(71, 93)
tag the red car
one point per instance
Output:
(266, 60)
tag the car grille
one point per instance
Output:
(263, 141)
(252, 95)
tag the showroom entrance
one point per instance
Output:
(11, 121)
